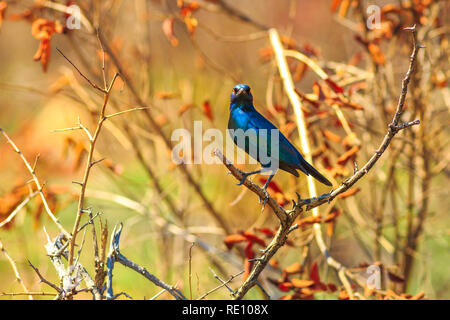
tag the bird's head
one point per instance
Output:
(241, 94)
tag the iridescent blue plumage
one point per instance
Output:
(243, 115)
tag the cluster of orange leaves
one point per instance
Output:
(250, 239)
(302, 289)
(43, 30)
(74, 150)
(10, 200)
(186, 12)
(256, 238)
(305, 288)
(391, 17)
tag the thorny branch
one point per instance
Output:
(115, 256)
(287, 217)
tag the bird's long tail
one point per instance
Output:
(309, 169)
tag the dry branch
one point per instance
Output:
(115, 256)
(287, 217)
(38, 184)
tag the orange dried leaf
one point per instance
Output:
(207, 110)
(293, 268)
(331, 136)
(3, 7)
(308, 221)
(188, 9)
(334, 5)
(332, 216)
(253, 238)
(285, 286)
(184, 108)
(233, 239)
(343, 295)
(161, 119)
(350, 154)
(274, 263)
(348, 193)
(191, 24)
(344, 8)
(266, 231)
(300, 283)
(334, 86)
(377, 54)
(314, 273)
(43, 29)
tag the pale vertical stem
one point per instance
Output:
(288, 85)
(14, 267)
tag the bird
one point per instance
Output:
(243, 115)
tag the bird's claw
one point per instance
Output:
(264, 200)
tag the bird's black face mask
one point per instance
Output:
(241, 95)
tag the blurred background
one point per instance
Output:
(180, 59)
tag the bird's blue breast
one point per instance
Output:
(246, 117)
